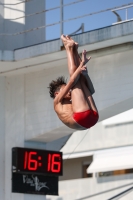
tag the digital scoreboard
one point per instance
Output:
(36, 171)
(37, 161)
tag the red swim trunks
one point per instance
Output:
(86, 119)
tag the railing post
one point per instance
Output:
(61, 17)
(126, 14)
(61, 20)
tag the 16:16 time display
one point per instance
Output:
(33, 162)
(38, 161)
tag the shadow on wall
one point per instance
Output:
(12, 42)
(14, 28)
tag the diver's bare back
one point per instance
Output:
(65, 113)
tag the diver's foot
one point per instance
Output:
(75, 43)
(67, 41)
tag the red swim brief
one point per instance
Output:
(86, 119)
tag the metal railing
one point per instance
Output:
(44, 11)
(62, 21)
(119, 19)
(115, 197)
(121, 194)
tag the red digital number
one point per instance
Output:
(55, 163)
(49, 162)
(25, 159)
(54, 166)
(29, 162)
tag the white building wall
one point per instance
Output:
(40, 115)
(14, 127)
(19, 96)
(94, 189)
(12, 132)
(112, 82)
(100, 137)
(2, 137)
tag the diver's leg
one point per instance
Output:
(77, 61)
(79, 101)
(85, 73)
(85, 84)
(69, 45)
(87, 94)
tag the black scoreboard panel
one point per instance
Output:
(34, 184)
(35, 171)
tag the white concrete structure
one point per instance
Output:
(88, 189)
(107, 148)
(27, 117)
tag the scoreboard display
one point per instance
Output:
(36, 171)
(37, 161)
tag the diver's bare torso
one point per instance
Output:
(65, 114)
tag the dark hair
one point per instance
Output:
(56, 85)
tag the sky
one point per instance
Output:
(90, 22)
